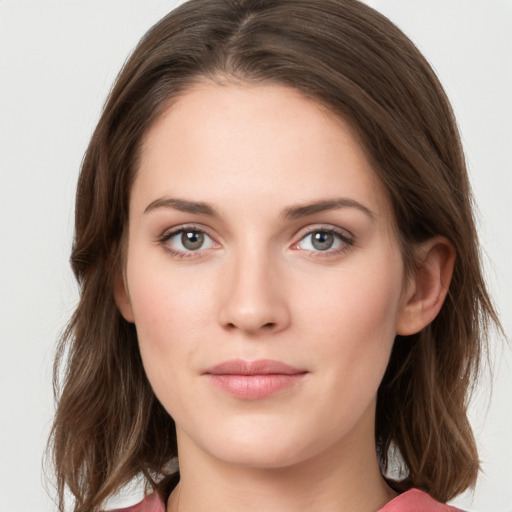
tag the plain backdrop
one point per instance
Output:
(58, 60)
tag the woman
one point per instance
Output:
(280, 282)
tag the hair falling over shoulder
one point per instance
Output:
(109, 427)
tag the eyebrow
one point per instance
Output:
(182, 205)
(299, 211)
(290, 213)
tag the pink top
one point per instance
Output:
(413, 500)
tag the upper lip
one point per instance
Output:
(258, 367)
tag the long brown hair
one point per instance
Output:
(109, 427)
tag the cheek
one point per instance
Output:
(168, 329)
(364, 297)
(170, 316)
(163, 295)
(353, 317)
(373, 302)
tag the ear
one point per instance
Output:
(122, 298)
(427, 288)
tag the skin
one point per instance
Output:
(258, 288)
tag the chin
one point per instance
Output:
(262, 448)
(259, 457)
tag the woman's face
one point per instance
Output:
(263, 276)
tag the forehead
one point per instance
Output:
(257, 142)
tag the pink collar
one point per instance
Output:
(412, 500)
(417, 501)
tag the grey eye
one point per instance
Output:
(192, 240)
(322, 240)
(188, 240)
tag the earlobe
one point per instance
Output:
(122, 298)
(427, 288)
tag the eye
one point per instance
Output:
(186, 240)
(324, 240)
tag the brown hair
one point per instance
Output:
(109, 426)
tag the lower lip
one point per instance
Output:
(254, 387)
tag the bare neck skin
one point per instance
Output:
(343, 478)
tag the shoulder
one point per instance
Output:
(151, 503)
(417, 501)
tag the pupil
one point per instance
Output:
(322, 241)
(192, 240)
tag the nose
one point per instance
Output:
(254, 298)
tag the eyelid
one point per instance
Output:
(169, 232)
(330, 228)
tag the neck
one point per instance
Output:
(341, 479)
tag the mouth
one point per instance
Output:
(253, 380)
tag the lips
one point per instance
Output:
(253, 380)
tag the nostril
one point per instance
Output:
(268, 326)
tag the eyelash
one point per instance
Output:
(346, 241)
(182, 229)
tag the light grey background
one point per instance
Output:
(58, 60)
